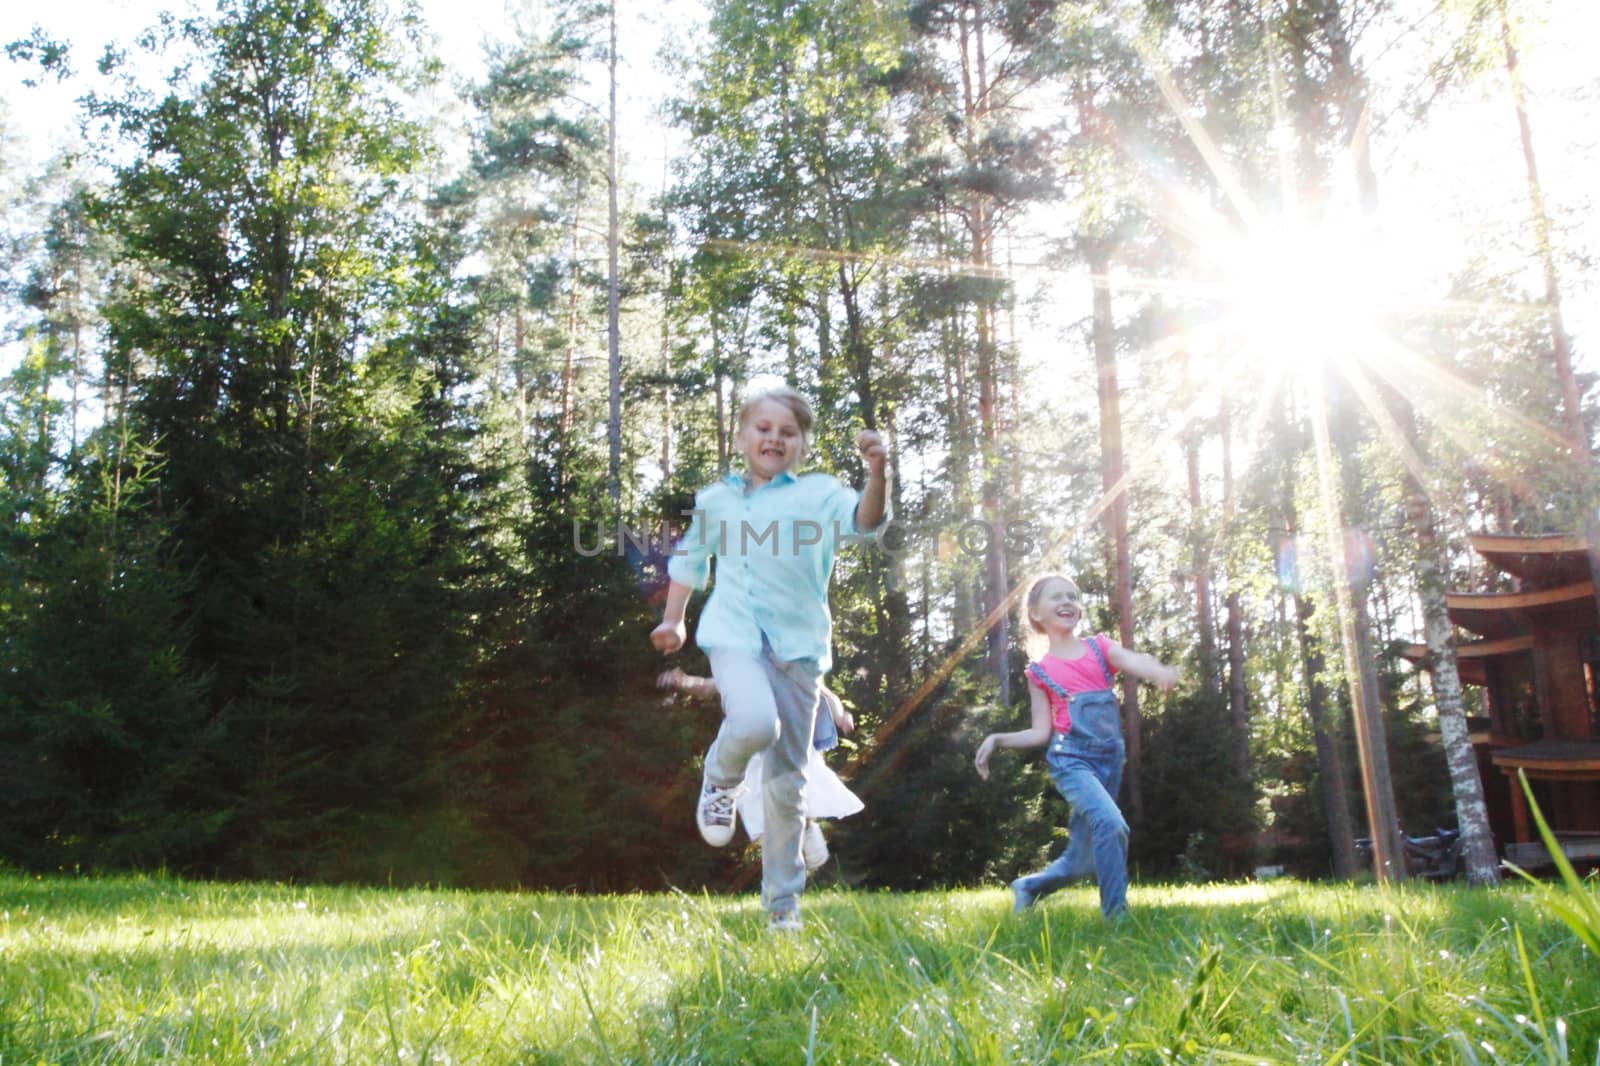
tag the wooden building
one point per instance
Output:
(1535, 652)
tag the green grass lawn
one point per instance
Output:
(124, 970)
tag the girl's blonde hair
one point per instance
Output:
(796, 403)
(1034, 641)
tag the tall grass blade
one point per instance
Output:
(1576, 907)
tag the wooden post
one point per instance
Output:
(1521, 827)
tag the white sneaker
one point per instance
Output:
(813, 845)
(785, 922)
(715, 813)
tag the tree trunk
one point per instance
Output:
(858, 347)
(567, 369)
(1205, 622)
(613, 238)
(723, 443)
(1360, 673)
(519, 375)
(963, 610)
(1238, 706)
(1379, 778)
(76, 326)
(1330, 761)
(981, 224)
(1560, 345)
(667, 390)
(1472, 813)
(1105, 359)
(895, 602)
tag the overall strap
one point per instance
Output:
(1094, 646)
(1049, 683)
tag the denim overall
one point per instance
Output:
(1086, 764)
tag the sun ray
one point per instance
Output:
(1196, 132)
(1448, 402)
(1367, 393)
(1355, 374)
(1269, 396)
(1415, 376)
(947, 266)
(1381, 815)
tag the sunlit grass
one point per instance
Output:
(119, 970)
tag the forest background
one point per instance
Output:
(334, 380)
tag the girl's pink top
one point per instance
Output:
(1083, 674)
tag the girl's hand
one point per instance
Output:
(1165, 678)
(985, 750)
(668, 637)
(873, 451)
(843, 720)
(688, 684)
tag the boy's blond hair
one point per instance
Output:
(796, 403)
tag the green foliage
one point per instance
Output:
(1200, 816)
(947, 825)
(101, 714)
(571, 766)
(1421, 778)
(303, 476)
(53, 57)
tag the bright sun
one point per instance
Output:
(1301, 295)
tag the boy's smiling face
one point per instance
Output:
(771, 440)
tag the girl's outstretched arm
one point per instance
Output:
(1035, 736)
(1144, 667)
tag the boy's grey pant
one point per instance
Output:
(768, 707)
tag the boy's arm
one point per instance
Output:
(874, 500)
(688, 568)
(669, 636)
(1036, 735)
(1144, 667)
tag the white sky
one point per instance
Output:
(1459, 182)
(44, 115)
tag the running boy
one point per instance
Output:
(766, 628)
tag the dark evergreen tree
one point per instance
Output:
(304, 468)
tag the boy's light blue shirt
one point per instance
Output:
(775, 549)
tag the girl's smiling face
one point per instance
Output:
(771, 440)
(1059, 608)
